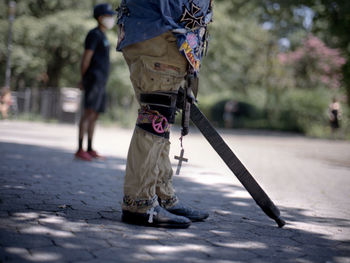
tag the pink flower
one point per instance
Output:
(316, 62)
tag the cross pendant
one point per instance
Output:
(181, 159)
(151, 213)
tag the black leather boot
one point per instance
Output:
(156, 217)
(187, 211)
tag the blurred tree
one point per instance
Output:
(327, 19)
(48, 40)
(242, 60)
(242, 57)
(236, 41)
(315, 65)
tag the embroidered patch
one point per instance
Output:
(139, 203)
(189, 53)
(169, 202)
(159, 123)
(165, 67)
(192, 40)
(190, 19)
(193, 43)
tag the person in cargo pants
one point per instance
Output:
(161, 42)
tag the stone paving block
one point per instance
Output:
(35, 196)
(304, 238)
(114, 226)
(100, 231)
(236, 231)
(82, 214)
(343, 248)
(273, 231)
(80, 241)
(15, 225)
(57, 254)
(97, 260)
(121, 255)
(233, 225)
(43, 207)
(63, 224)
(5, 198)
(13, 190)
(14, 239)
(13, 207)
(118, 242)
(14, 254)
(3, 213)
(46, 231)
(114, 216)
(340, 259)
(326, 253)
(214, 254)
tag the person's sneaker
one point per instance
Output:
(187, 211)
(82, 155)
(94, 154)
(156, 217)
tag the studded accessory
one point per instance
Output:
(128, 201)
(168, 202)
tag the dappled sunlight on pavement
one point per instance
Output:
(57, 209)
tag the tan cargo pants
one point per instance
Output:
(155, 65)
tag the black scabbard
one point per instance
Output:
(186, 109)
(186, 100)
(235, 165)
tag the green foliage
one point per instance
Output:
(233, 50)
(242, 62)
(331, 23)
(315, 65)
(303, 111)
(48, 38)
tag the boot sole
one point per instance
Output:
(143, 222)
(192, 218)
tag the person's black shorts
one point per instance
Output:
(94, 93)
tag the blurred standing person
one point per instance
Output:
(94, 75)
(334, 113)
(230, 109)
(5, 102)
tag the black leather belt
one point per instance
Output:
(163, 99)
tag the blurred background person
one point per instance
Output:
(5, 102)
(334, 113)
(229, 110)
(94, 75)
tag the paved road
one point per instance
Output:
(56, 209)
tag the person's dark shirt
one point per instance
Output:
(99, 66)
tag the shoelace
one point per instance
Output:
(151, 213)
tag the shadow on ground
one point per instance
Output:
(56, 209)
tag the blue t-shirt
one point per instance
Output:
(140, 20)
(99, 66)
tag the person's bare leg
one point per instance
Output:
(91, 128)
(4, 111)
(83, 126)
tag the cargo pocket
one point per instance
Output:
(160, 76)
